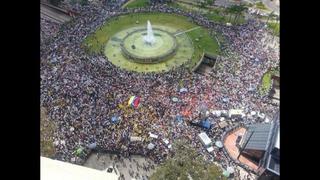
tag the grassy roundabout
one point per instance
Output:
(116, 28)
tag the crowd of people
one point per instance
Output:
(83, 92)
(48, 29)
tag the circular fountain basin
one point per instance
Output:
(136, 49)
(115, 54)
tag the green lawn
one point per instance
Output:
(205, 44)
(266, 84)
(137, 3)
(275, 27)
(96, 42)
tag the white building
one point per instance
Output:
(58, 170)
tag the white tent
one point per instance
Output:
(219, 144)
(92, 145)
(151, 146)
(210, 149)
(205, 140)
(153, 135)
(236, 113)
(230, 170)
(135, 138)
(165, 141)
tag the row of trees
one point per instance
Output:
(236, 10)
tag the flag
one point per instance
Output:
(134, 101)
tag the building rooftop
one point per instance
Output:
(55, 170)
(257, 137)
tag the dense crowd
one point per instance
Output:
(83, 92)
(48, 29)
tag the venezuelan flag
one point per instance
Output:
(134, 101)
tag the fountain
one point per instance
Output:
(149, 38)
(148, 45)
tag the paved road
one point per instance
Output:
(53, 15)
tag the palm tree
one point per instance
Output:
(230, 10)
(238, 11)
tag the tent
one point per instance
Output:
(179, 119)
(134, 101)
(205, 140)
(92, 145)
(226, 173)
(115, 119)
(182, 90)
(135, 138)
(219, 144)
(165, 141)
(151, 146)
(210, 149)
(253, 113)
(153, 135)
(174, 99)
(205, 124)
(230, 170)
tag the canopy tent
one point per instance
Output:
(205, 140)
(219, 144)
(205, 124)
(151, 146)
(253, 113)
(153, 135)
(210, 149)
(236, 113)
(226, 173)
(166, 141)
(92, 145)
(134, 101)
(179, 119)
(230, 169)
(174, 99)
(216, 113)
(182, 90)
(135, 138)
(115, 119)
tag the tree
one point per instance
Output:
(186, 163)
(237, 10)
